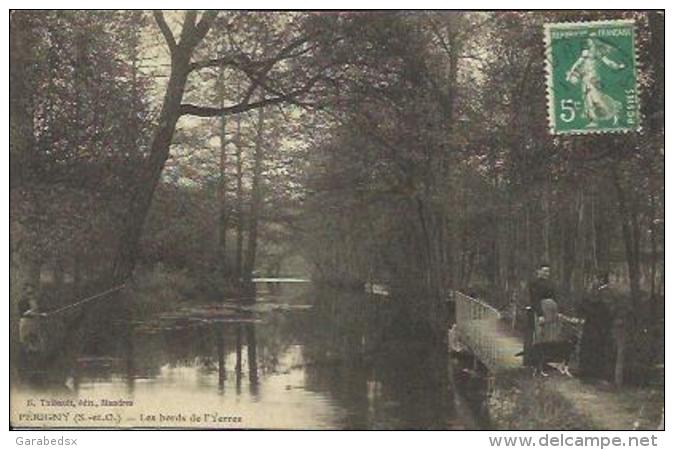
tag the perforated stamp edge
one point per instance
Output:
(550, 100)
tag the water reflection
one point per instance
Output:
(350, 361)
(239, 346)
(252, 359)
(222, 369)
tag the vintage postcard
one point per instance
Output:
(336, 220)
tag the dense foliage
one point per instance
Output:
(410, 149)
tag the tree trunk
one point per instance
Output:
(23, 154)
(581, 245)
(630, 233)
(239, 201)
(223, 219)
(601, 232)
(150, 173)
(546, 221)
(654, 246)
(256, 197)
(572, 237)
(619, 335)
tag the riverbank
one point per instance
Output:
(159, 289)
(151, 291)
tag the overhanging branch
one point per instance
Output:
(204, 24)
(165, 30)
(244, 62)
(291, 97)
(188, 109)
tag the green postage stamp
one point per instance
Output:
(592, 77)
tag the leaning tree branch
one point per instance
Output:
(290, 97)
(205, 24)
(188, 109)
(165, 30)
(245, 63)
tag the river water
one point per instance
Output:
(299, 358)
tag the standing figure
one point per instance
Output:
(540, 288)
(594, 358)
(598, 105)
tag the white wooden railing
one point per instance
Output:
(477, 327)
(477, 324)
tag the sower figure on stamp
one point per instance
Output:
(597, 104)
(540, 288)
(592, 77)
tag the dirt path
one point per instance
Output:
(629, 408)
(603, 407)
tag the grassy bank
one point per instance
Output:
(151, 291)
(520, 402)
(156, 289)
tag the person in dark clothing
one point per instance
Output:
(595, 344)
(539, 288)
